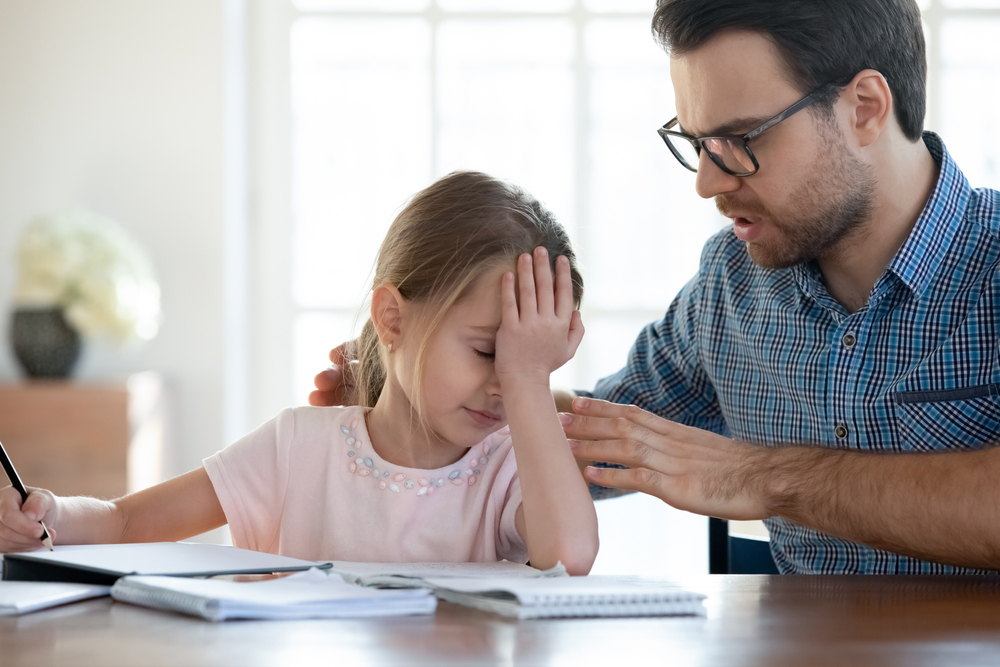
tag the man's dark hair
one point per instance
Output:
(820, 42)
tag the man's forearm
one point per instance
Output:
(941, 507)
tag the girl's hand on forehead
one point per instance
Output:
(539, 329)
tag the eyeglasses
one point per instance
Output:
(730, 153)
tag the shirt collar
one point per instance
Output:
(921, 255)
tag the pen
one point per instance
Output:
(8, 468)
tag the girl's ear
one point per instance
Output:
(387, 313)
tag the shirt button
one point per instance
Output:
(841, 431)
(849, 340)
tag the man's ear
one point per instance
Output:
(387, 313)
(870, 105)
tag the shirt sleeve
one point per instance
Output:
(250, 478)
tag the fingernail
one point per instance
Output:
(573, 444)
(565, 419)
(543, 252)
(582, 402)
(31, 515)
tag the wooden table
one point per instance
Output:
(753, 620)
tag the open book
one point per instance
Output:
(310, 594)
(521, 591)
(415, 575)
(571, 596)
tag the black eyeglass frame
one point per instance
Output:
(737, 140)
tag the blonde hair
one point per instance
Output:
(444, 239)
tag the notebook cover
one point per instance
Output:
(92, 564)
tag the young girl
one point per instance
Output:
(455, 453)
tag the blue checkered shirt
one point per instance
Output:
(768, 356)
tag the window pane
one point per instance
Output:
(646, 223)
(972, 4)
(608, 339)
(969, 97)
(506, 105)
(362, 5)
(361, 142)
(643, 6)
(505, 5)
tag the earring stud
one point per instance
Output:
(390, 348)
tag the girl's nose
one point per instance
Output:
(493, 385)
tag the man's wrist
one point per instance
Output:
(786, 474)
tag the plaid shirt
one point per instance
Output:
(768, 356)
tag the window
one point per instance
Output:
(562, 97)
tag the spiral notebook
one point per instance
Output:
(310, 594)
(554, 597)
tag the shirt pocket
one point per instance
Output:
(948, 419)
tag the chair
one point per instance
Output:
(737, 554)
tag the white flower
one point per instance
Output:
(89, 266)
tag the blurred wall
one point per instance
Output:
(118, 106)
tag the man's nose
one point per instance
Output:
(711, 181)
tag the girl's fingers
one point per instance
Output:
(543, 281)
(564, 287)
(508, 299)
(526, 286)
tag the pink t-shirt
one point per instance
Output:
(308, 484)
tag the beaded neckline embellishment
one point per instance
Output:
(463, 473)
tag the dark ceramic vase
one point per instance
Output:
(45, 344)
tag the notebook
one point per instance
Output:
(20, 597)
(103, 564)
(311, 594)
(414, 575)
(598, 595)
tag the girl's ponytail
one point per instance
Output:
(370, 376)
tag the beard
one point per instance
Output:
(826, 210)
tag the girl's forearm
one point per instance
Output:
(560, 522)
(82, 520)
(173, 510)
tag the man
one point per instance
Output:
(833, 366)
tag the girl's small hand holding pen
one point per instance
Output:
(540, 329)
(19, 527)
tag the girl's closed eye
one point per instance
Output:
(484, 354)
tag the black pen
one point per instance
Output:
(8, 468)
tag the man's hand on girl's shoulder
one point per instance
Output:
(333, 385)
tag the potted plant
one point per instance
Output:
(79, 274)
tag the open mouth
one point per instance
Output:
(745, 229)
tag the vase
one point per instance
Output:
(44, 343)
